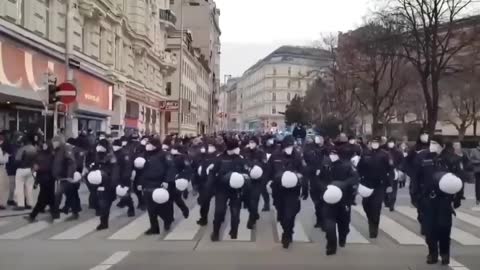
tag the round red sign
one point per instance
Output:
(66, 92)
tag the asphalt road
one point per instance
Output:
(75, 245)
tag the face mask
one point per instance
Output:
(202, 150)
(55, 145)
(211, 149)
(435, 148)
(124, 143)
(457, 146)
(351, 141)
(101, 138)
(116, 148)
(252, 145)
(333, 157)
(288, 150)
(143, 142)
(236, 151)
(231, 152)
(319, 140)
(424, 138)
(45, 147)
(375, 145)
(174, 152)
(100, 149)
(391, 145)
(270, 142)
(149, 147)
(164, 147)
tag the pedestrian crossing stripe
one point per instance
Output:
(462, 237)
(188, 230)
(395, 230)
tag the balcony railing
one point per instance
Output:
(167, 15)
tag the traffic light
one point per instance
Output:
(52, 93)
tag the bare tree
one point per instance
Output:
(370, 55)
(432, 35)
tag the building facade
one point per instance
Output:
(119, 47)
(266, 88)
(201, 17)
(194, 84)
(232, 117)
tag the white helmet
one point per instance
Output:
(133, 175)
(450, 183)
(289, 179)
(181, 184)
(160, 195)
(199, 171)
(139, 163)
(256, 172)
(364, 191)
(332, 195)
(121, 191)
(95, 177)
(355, 159)
(236, 180)
(76, 177)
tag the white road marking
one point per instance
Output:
(299, 234)
(30, 229)
(455, 265)
(467, 218)
(243, 234)
(355, 237)
(83, 229)
(133, 230)
(395, 230)
(3, 223)
(462, 237)
(187, 228)
(111, 261)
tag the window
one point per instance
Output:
(274, 71)
(274, 96)
(289, 71)
(288, 96)
(168, 89)
(274, 84)
(299, 84)
(172, 2)
(274, 110)
(289, 83)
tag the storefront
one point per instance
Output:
(142, 114)
(24, 73)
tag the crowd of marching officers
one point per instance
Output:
(236, 170)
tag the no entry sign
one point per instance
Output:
(66, 92)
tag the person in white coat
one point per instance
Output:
(4, 179)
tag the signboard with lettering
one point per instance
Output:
(169, 105)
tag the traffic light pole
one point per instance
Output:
(68, 73)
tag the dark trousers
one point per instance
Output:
(72, 199)
(477, 186)
(178, 199)
(105, 200)
(233, 198)
(46, 196)
(373, 208)
(437, 224)
(336, 215)
(138, 192)
(288, 206)
(204, 198)
(164, 211)
(127, 201)
(391, 198)
(92, 197)
(317, 200)
(253, 198)
(265, 197)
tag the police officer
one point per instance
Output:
(269, 147)
(125, 168)
(286, 170)
(376, 171)
(435, 199)
(227, 179)
(339, 179)
(72, 201)
(207, 157)
(184, 174)
(63, 169)
(256, 161)
(314, 155)
(158, 172)
(106, 167)
(138, 149)
(397, 158)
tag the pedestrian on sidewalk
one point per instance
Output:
(24, 180)
(4, 180)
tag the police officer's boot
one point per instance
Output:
(286, 240)
(445, 259)
(203, 221)
(432, 258)
(373, 229)
(216, 232)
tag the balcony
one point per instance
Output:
(168, 16)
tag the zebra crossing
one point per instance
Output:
(399, 227)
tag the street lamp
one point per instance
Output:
(190, 3)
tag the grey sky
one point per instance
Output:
(251, 29)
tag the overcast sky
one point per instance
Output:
(251, 29)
